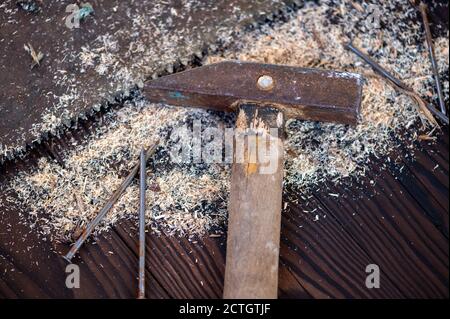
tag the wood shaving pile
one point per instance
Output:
(126, 59)
(182, 200)
(314, 37)
(191, 199)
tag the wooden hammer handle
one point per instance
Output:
(255, 206)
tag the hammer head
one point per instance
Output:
(308, 94)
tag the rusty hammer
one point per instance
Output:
(264, 96)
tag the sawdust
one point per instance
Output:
(111, 53)
(69, 197)
(324, 151)
(127, 56)
(191, 199)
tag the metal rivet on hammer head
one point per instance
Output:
(265, 82)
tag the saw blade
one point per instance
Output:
(88, 60)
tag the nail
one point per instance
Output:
(142, 188)
(378, 68)
(402, 86)
(434, 66)
(109, 204)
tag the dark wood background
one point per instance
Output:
(400, 223)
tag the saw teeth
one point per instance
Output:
(193, 60)
(82, 115)
(128, 94)
(286, 10)
(212, 48)
(170, 69)
(161, 71)
(176, 66)
(45, 136)
(199, 54)
(28, 147)
(185, 61)
(90, 112)
(58, 132)
(67, 123)
(104, 107)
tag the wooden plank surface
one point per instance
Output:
(27, 94)
(399, 223)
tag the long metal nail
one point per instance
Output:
(434, 66)
(142, 188)
(438, 114)
(378, 68)
(401, 85)
(90, 227)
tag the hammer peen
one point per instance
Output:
(264, 96)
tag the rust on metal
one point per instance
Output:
(434, 66)
(109, 204)
(378, 68)
(398, 83)
(302, 93)
(27, 95)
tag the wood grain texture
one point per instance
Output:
(394, 223)
(391, 227)
(323, 257)
(400, 222)
(255, 206)
(23, 97)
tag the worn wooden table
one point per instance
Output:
(400, 223)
